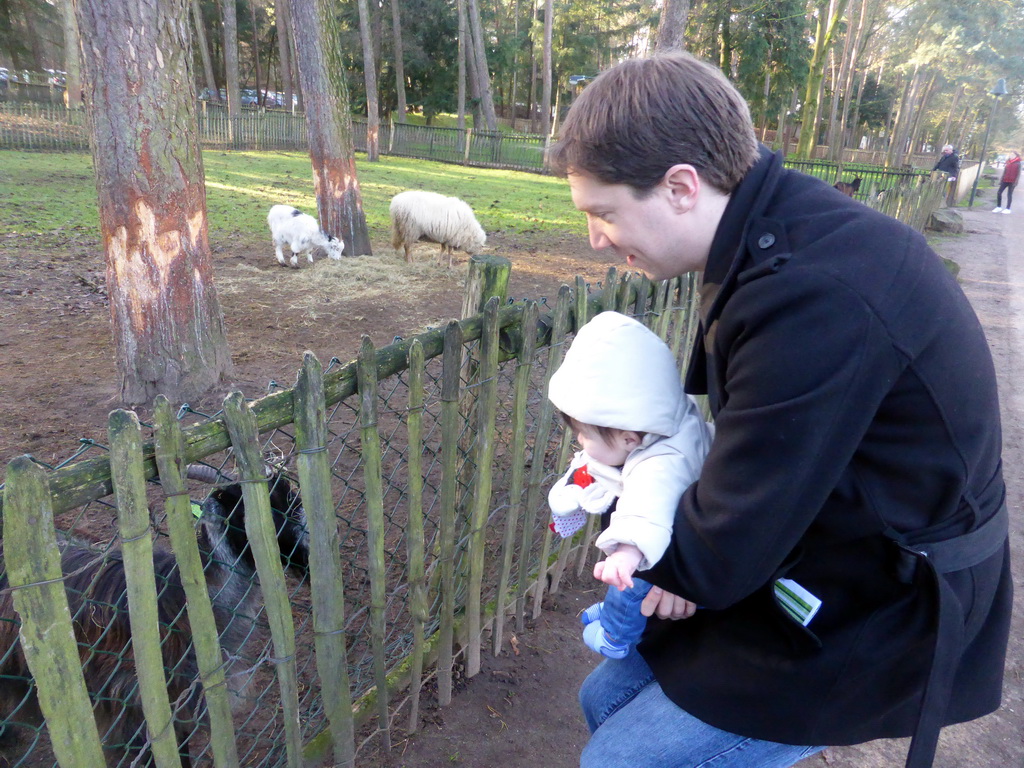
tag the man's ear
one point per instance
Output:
(683, 184)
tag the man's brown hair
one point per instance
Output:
(642, 116)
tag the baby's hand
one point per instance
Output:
(618, 568)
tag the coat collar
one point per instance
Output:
(742, 229)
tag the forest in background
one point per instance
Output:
(905, 76)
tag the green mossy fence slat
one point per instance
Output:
(47, 639)
(170, 460)
(409, 566)
(137, 550)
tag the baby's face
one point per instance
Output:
(613, 452)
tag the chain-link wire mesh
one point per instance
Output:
(90, 543)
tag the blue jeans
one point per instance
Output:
(634, 725)
(620, 614)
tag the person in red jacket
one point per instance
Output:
(1011, 175)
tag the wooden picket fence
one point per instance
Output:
(423, 469)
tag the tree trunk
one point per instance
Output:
(370, 80)
(833, 136)
(944, 138)
(168, 328)
(827, 22)
(260, 100)
(919, 110)
(725, 40)
(855, 55)
(396, 27)
(227, 11)
(284, 50)
(533, 73)
(72, 58)
(322, 77)
(545, 116)
(461, 97)
(479, 51)
(199, 25)
(514, 88)
(894, 155)
(672, 26)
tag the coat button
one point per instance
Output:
(766, 241)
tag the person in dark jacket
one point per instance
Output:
(949, 163)
(1008, 182)
(857, 449)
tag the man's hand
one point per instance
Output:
(618, 568)
(666, 605)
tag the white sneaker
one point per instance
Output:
(1006, 210)
(997, 209)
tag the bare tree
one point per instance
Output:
(479, 53)
(396, 30)
(672, 26)
(72, 58)
(370, 80)
(326, 101)
(230, 21)
(204, 50)
(168, 328)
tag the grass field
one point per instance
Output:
(44, 193)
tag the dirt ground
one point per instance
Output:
(58, 383)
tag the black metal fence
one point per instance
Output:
(50, 127)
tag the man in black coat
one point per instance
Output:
(856, 454)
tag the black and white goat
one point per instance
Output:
(300, 232)
(96, 589)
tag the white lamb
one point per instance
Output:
(301, 232)
(417, 215)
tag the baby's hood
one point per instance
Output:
(618, 373)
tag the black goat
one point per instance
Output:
(848, 188)
(96, 589)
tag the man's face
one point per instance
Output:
(650, 234)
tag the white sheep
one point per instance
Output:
(301, 232)
(418, 215)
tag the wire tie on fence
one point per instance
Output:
(251, 480)
(397, 339)
(129, 540)
(321, 449)
(40, 462)
(282, 660)
(15, 588)
(272, 385)
(340, 631)
(182, 411)
(331, 363)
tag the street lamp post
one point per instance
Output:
(998, 92)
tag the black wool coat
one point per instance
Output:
(856, 410)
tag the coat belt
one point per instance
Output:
(939, 557)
